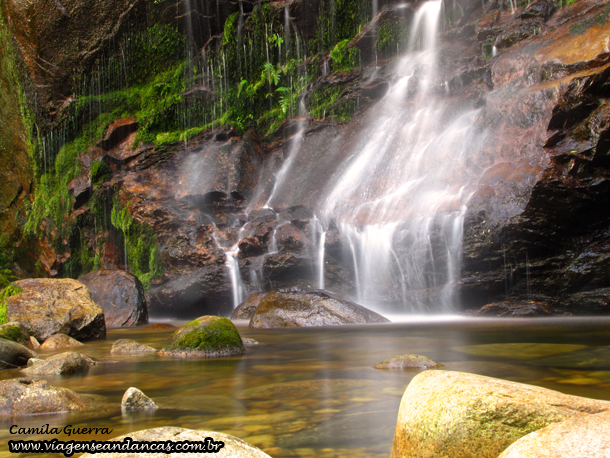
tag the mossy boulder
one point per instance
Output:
(66, 363)
(207, 336)
(16, 332)
(460, 415)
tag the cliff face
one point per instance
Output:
(194, 217)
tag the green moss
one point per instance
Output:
(14, 333)
(217, 335)
(100, 172)
(10, 290)
(600, 20)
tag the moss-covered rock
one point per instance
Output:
(207, 336)
(16, 332)
(460, 415)
(408, 362)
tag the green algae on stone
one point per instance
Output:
(207, 336)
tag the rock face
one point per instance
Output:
(61, 364)
(13, 354)
(130, 347)
(134, 399)
(207, 336)
(50, 306)
(584, 437)
(60, 341)
(16, 332)
(456, 414)
(120, 295)
(233, 447)
(295, 308)
(24, 396)
(408, 362)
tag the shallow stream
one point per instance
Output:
(313, 392)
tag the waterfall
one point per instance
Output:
(400, 199)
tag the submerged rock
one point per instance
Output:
(160, 327)
(233, 447)
(61, 364)
(455, 414)
(130, 347)
(585, 359)
(208, 336)
(24, 396)
(408, 362)
(134, 399)
(60, 341)
(50, 306)
(13, 354)
(121, 296)
(16, 332)
(295, 307)
(582, 437)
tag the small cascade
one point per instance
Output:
(319, 239)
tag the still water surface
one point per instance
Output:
(314, 392)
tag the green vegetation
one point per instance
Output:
(599, 20)
(208, 335)
(10, 290)
(100, 172)
(6, 261)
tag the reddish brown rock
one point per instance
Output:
(118, 131)
(120, 294)
(247, 309)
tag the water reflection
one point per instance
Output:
(314, 392)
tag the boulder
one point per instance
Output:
(296, 307)
(134, 399)
(408, 362)
(60, 341)
(459, 415)
(13, 354)
(248, 342)
(24, 396)
(582, 437)
(247, 309)
(233, 447)
(50, 306)
(130, 347)
(207, 336)
(516, 309)
(121, 296)
(16, 332)
(62, 364)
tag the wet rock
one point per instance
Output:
(60, 341)
(516, 309)
(248, 342)
(160, 327)
(24, 396)
(118, 131)
(233, 447)
(61, 364)
(247, 309)
(251, 246)
(51, 306)
(130, 347)
(207, 336)
(408, 362)
(13, 354)
(539, 9)
(585, 359)
(296, 307)
(34, 343)
(16, 332)
(205, 289)
(134, 399)
(584, 437)
(486, 414)
(120, 295)
(34, 361)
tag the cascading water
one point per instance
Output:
(401, 197)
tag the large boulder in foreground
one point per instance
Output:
(460, 415)
(13, 354)
(121, 296)
(582, 437)
(24, 396)
(232, 448)
(295, 308)
(51, 306)
(207, 336)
